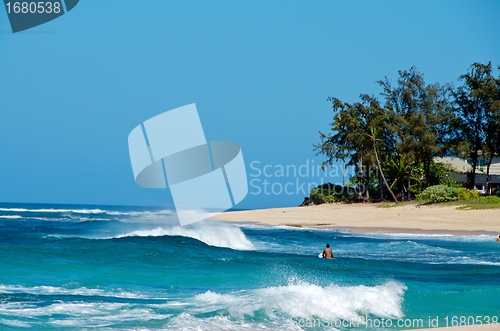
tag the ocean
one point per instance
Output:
(81, 267)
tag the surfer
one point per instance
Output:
(498, 239)
(327, 252)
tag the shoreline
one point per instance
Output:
(376, 218)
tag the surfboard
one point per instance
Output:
(320, 255)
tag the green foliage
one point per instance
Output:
(330, 198)
(466, 194)
(474, 193)
(438, 193)
(450, 182)
(317, 197)
(490, 199)
(491, 202)
(329, 193)
(388, 206)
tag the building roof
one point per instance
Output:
(458, 164)
(480, 178)
(462, 166)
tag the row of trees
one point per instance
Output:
(401, 133)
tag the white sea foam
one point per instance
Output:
(282, 227)
(14, 323)
(82, 215)
(211, 233)
(478, 262)
(81, 310)
(149, 215)
(79, 314)
(305, 300)
(52, 210)
(424, 236)
(13, 217)
(465, 260)
(54, 290)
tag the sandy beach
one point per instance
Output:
(377, 218)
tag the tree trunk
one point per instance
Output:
(427, 170)
(474, 158)
(381, 186)
(367, 184)
(408, 196)
(490, 160)
(382, 174)
(360, 179)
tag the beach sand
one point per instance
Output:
(381, 218)
(377, 218)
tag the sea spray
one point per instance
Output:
(67, 291)
(304, 300)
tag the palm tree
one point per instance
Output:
(372, 136)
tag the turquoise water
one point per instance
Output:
(118, 268)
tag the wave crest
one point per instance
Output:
(305, 300)
(212, 234)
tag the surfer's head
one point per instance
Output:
(328, 245)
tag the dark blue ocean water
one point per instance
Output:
(127, 268)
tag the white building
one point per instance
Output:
(462, 167)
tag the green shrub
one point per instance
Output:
(474, 193)
(330, 199)
(438, 193)
(466, 195)
(489, 199)
(448, 181)
(316, 196)
(463, 194)
(328, 193)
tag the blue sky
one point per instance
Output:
(72, 89)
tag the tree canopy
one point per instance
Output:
(394, 139)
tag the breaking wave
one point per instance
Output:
(304, 300)
(213, 234)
